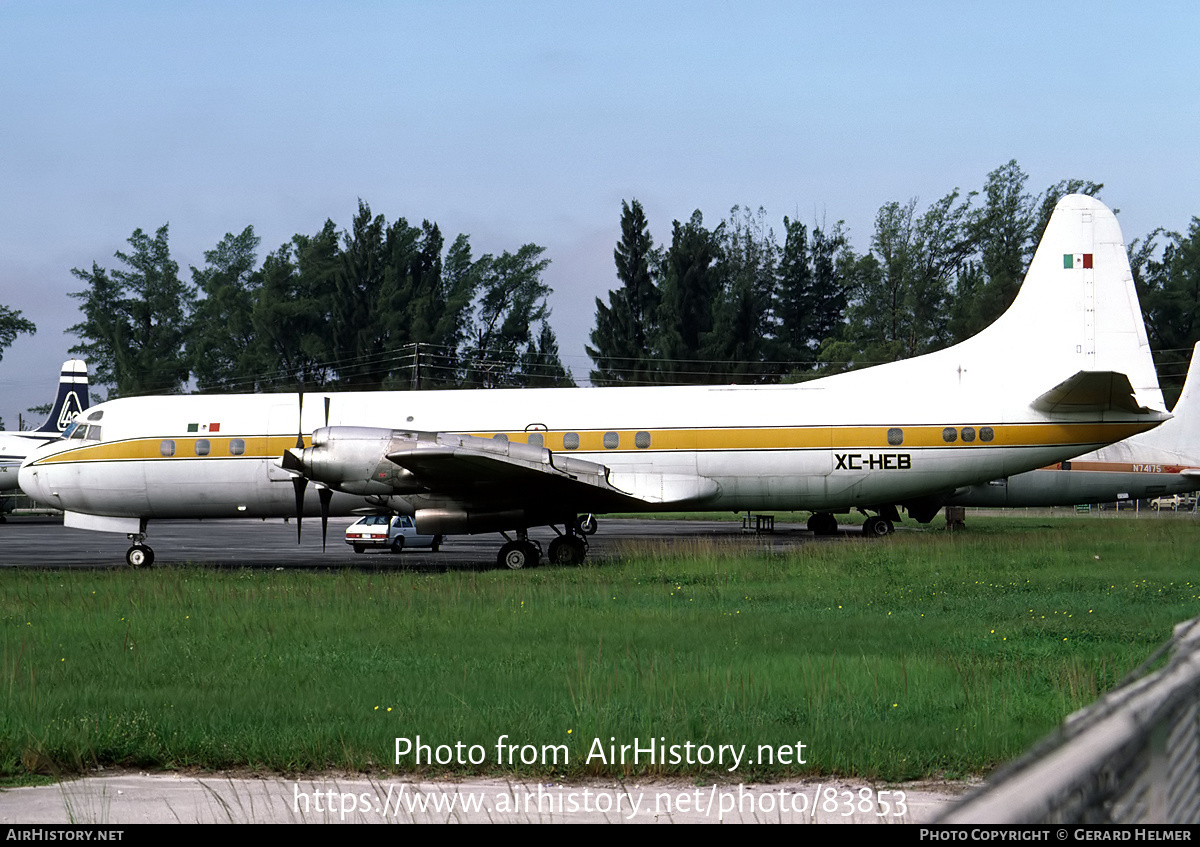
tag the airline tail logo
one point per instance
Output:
(71, 399)
(70, 408)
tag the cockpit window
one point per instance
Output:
(93, 433)
(77, 431)
(69, 431)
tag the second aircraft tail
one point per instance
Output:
(72, 397)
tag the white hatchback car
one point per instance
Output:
(377, 531)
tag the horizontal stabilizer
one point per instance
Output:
(1091, 391)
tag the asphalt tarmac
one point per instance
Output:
(44, 542)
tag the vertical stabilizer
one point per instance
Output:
(1077, 310)
(72, 397)
(1075, 320)
(1181, 434)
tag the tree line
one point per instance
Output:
(392, 305)
(380, 305)
(737, 303)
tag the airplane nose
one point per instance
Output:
(33, 483)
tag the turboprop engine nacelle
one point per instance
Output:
(366, 460)
(354, 459)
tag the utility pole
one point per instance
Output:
(416, 369)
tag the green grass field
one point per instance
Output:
(924, 654)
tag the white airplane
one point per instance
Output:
(72, 398)
(1163, 461)
(1065, 370)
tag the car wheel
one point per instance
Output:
(398, 544)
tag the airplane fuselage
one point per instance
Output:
(816, 446)
(1106, 476)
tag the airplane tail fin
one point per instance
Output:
(1075, 327)
(72, 397)
(1188, 404)
(1077, 310)
(1181, 434)
(1076, 317)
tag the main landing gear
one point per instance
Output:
(875, 526)
(567, 549)
(519, 554)
(822, 523)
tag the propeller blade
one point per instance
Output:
(299, 483)
(327, 399)
(300, 422)
(326, 494)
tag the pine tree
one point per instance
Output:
(621, 341)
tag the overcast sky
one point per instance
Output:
(520, 122)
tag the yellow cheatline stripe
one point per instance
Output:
(847, 437)
(257, 447)
(732, 438)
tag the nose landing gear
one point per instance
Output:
(139, 555)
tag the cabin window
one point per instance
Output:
(968, 434)
(571, 441)
(641, 440)
(895, 436)
(949, 435)
(237, 447)
(202, 447)
(167, 447)
(986, 433)
(536, 440)
(612, 440)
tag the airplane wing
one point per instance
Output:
(481, 472)
(472, 467)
